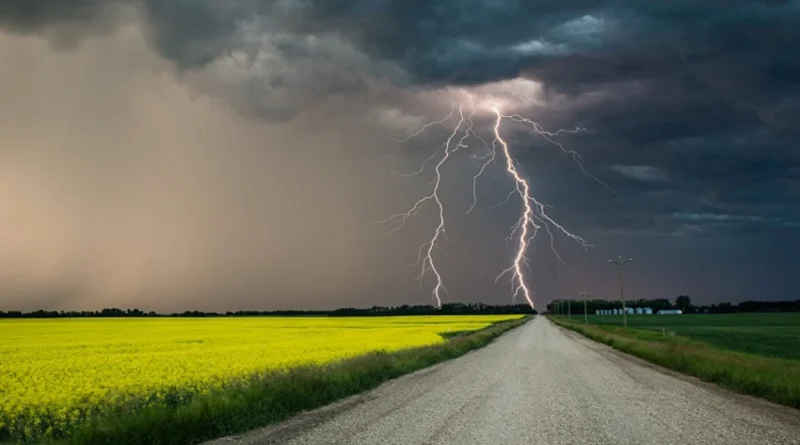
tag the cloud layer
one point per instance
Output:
(111, 108)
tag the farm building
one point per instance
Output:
(670, 312)
(648, 311)
(639, 311)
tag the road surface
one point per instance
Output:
(539, 384)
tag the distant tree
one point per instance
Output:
(684, 303)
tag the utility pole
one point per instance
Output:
(620, 262)
(569, 307)
(585, 296)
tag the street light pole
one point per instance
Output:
(585, 296)
(620, 262)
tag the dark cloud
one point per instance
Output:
(710, 89)
(65, 23)
(691, 106)
(643, 173)
(27, 15)
(682, 48)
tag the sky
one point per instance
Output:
(179, 155)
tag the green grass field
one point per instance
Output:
(768, 334)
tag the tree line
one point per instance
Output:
(682, 302)
(445, 309)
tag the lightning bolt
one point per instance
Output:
(534, 214)
(425, 252)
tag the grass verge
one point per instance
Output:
(774, 379)
(271, 397)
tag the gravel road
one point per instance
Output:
(539, 384)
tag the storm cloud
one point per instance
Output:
(219, 113)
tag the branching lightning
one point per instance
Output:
(533, 218)
(425, 253)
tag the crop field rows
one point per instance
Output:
(55, 374)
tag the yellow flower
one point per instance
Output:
(57, 372)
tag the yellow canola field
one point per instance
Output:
(54, 372)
